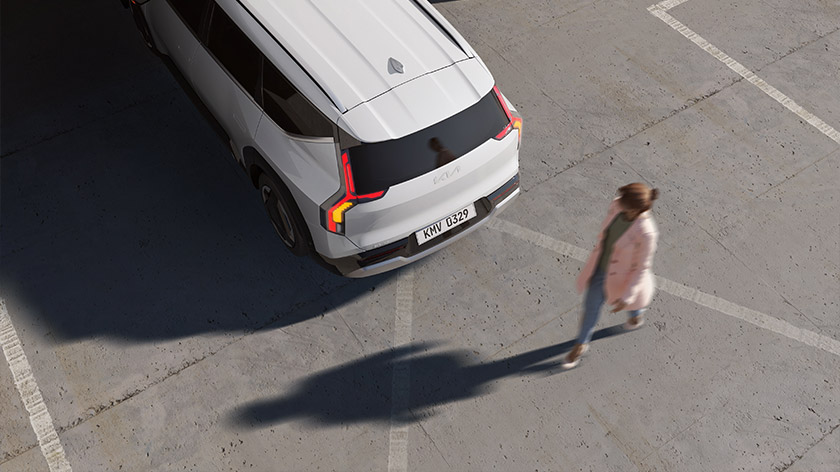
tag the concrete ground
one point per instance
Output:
(166, 328)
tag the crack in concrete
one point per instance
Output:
(169, 374)
(108, 117)
(509, 347)
(563, 16)
(796, 174)
(681, 432)
(529, 30)
(796, 458)
(341, 317)
(630, 453)
(527, 80)
(798, 48)
(760, 278)
(16, 453)
(648, 125)
(107, 406)
(429, 437)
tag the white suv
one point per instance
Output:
(373, 131)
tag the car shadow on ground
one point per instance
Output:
(123, 214)
(362, 390)
(150, 234)
(142, 227)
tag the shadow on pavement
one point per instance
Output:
(152, 234)
(123, 214)
(361, 391)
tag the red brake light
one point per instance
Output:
(335, 213)
(514, 122)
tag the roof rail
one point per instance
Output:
(340, 108)
(440, 27)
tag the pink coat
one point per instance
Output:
(629, 276)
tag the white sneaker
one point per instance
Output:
(573, 358)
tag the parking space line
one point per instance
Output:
(400, 387)
(659, 10)
(685, 292)
(29, 392)
(668, 4)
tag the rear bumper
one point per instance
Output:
(406, 251)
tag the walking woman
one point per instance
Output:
(618, 270)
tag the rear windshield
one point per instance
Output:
(377, 166)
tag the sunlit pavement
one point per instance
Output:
(168, 329)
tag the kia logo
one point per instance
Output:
(443, 176)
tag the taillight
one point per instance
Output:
(332, 214)
(514, 122)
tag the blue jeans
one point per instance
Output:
(595, 298)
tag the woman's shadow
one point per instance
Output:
(365, 389)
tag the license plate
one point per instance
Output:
(444, 225)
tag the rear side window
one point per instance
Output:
(234, 50)
(191, 11)
(377, 166)
(288, 108)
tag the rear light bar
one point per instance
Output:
(514, 122)
(502, 192)
(332, 215)
(382, 253)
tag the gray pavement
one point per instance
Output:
(168, 329)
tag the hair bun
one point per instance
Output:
(654, 194)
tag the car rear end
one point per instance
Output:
(405, 198)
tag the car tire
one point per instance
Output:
(284, 215)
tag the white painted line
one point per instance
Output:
(659, 11)
(538, 239)
(31, 395)
(753, 317)
(401, 387)
(668, 4)
(750, 316)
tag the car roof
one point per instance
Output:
(420, 103)
(354, 49)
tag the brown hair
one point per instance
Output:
(638, 196)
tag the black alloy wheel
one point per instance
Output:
(284, 215)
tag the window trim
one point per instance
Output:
(203, 39)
